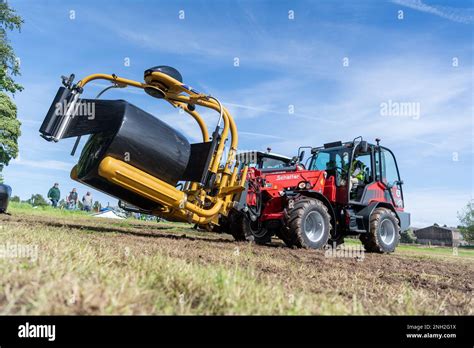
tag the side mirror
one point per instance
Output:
(301, 156)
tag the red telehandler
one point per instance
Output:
(351, 188)
(347, 188)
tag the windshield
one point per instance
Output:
(272, 163)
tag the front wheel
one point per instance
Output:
(308, 225)
(242, 230)
(384, 232)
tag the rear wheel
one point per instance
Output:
(308, 226)
(284, 235)
(384, 232)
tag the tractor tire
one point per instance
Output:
(308, 225)
(384, 232)
(223, 226)
(236, 226)
(284, 234)
(241, 230)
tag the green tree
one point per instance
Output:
(37, 200)
(9, 64)
(466, 218)
(9, 67)
(408, 236)
(9, 131)
(15, 199)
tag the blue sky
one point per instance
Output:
(284, 64)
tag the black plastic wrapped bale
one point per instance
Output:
(5, 193)
(123, 131)
(136, 137)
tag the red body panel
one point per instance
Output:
(330, 189)
(376, 193)
(271, 184)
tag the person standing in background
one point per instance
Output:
(87, 202)
(72, 199)
(54, 194)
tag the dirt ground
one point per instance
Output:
(406, 282)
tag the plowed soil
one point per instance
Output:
(410, 281)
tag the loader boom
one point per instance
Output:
(194, 195)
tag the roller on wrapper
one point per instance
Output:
(141, 160)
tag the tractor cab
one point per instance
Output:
(361, 172)
(350, 188)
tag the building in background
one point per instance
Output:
(438, 235)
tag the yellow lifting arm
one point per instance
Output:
(193, 203)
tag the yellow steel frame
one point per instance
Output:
(192, 203)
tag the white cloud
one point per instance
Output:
(280, 53)
(460, 15)
(254, 134)
(436, 204)
(46, 164)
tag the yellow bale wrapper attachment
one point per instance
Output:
(141, 160)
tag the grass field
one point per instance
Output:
(83, 265)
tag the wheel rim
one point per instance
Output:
(387, 231)
(314, 226)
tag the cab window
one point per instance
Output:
(326, 161)
(333, 162)
(389, 167)
(366, 161)
(320, 161)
